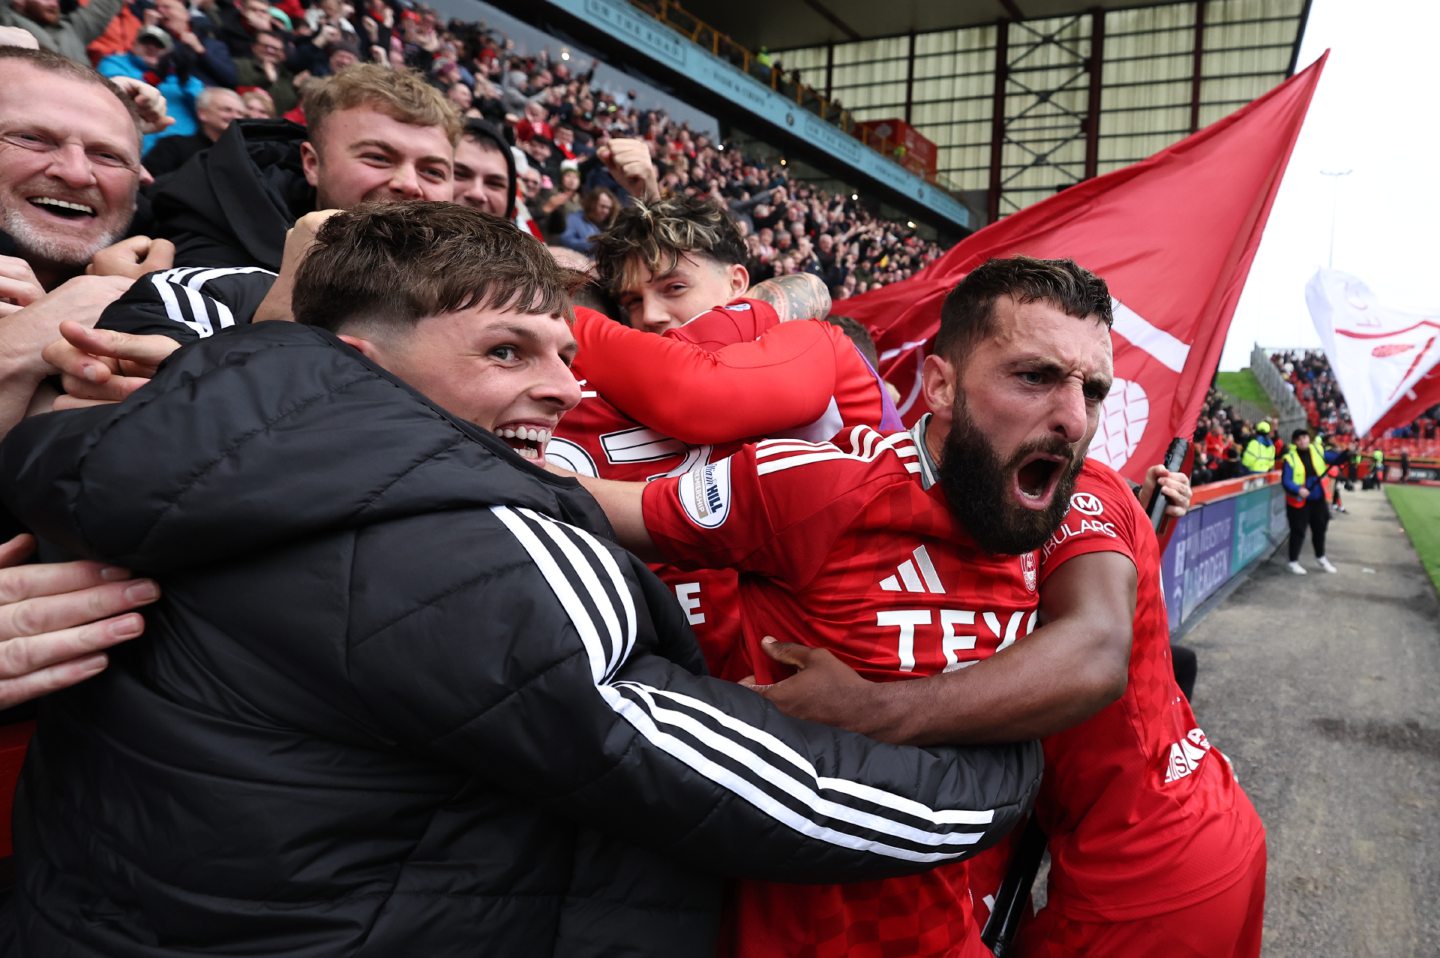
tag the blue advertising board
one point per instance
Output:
(1215, 542)
(1252, 527)
(1172, 565)
(1207, 561)
(1279, 523)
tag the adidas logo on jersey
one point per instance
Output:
(914, 575)
(1185, 755)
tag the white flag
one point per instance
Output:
(1376, 353)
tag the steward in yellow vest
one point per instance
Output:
(1306, 462)
(1259, 455)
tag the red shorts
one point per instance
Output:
(1225, 925)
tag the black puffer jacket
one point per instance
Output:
(231, 205)
(397, 701)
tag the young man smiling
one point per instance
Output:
(375, 135)
(485, 170)
(476, 352)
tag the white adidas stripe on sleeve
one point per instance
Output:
(745, 760)
(181, 293)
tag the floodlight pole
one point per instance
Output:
(1334, 206)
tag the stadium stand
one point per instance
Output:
(1308, 374)
(553, 113)
(1220, 433)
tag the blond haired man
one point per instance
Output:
(374, 135)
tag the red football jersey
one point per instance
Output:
(654, 406)
(732, 374)
(1142, 813)
(848, 547)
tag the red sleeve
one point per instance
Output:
(736, 322)
(758, 511)
(1104, 517)
(746, 389)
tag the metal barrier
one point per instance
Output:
(1291, 413)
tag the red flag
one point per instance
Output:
(1420, 398)
(1173, 235)
(1382, 357)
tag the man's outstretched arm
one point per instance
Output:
(564, 673)
(623, 504)
(783, 380)
(1060, 675)
(1055, 678)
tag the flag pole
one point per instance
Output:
(1334, 207)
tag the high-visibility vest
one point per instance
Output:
(1258, 456)
(1379, 457)
(1318, 467)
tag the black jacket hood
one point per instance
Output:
(232, 204)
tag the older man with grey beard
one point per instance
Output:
(68, 182)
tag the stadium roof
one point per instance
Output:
(1013, 100)
(803, 23)
(1019, 98)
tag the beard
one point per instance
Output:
(52, 244)
(977, 487)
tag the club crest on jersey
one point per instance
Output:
(1029, 568)
(705, 494)
(1087, 503)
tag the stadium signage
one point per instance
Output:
(1252, 529)
(641, 32)
(1215, 542)
(664, 46)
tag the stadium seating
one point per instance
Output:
(557, 116)
(1309, 374)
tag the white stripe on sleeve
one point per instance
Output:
(746, 761)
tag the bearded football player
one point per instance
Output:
(887, 551)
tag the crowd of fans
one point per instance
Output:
(395, 280)
(1309, 374)
(1221, 434)
(551, 111)
(1220, 438)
